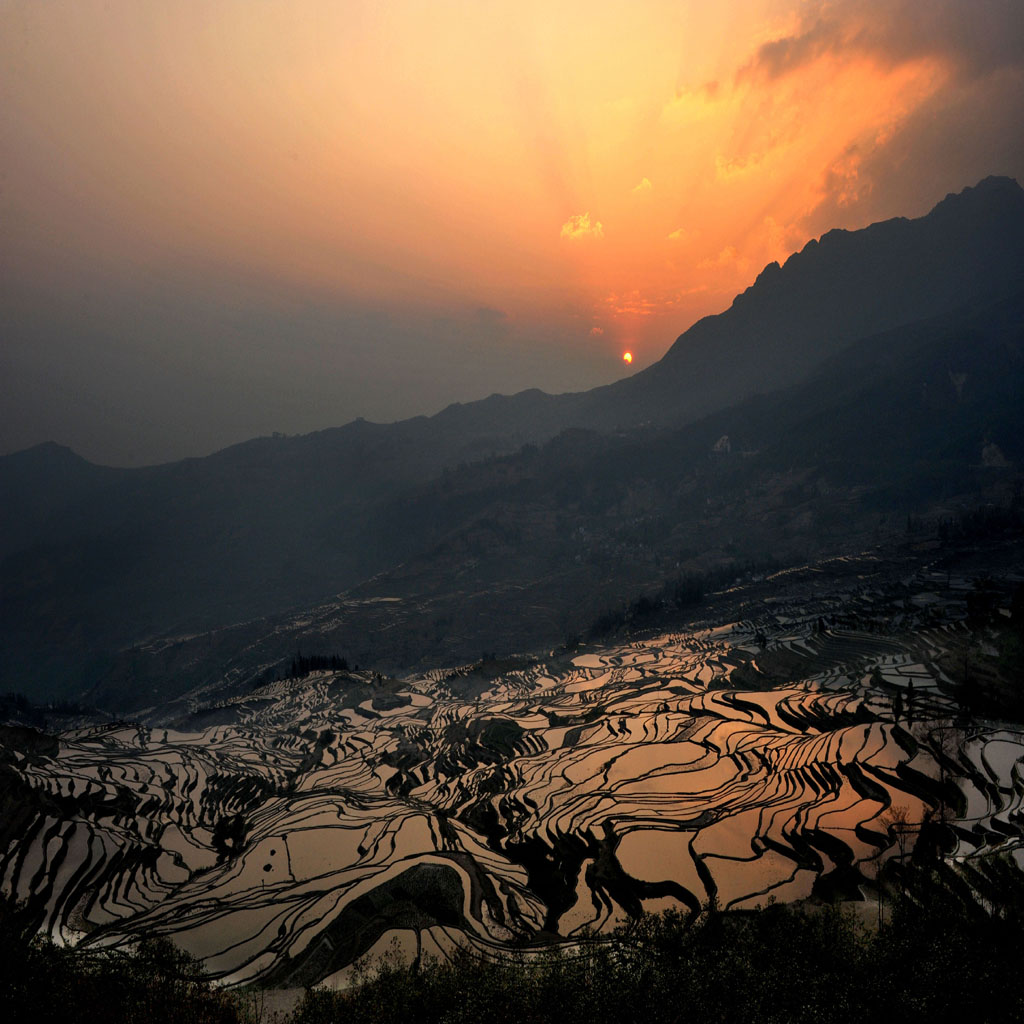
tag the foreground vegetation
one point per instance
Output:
(157, 983)
(944, 952)
(945, 958)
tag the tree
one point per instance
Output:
(899, 827)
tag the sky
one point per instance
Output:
(225, 218)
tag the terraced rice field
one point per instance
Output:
(280, 836)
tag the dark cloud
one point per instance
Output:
(968, 128)
(975, 37)
(789, 53)
(962, 134)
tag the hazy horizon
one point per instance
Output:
(222, 220)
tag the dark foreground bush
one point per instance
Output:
(155, 984)
(942, 955)
(780, 965)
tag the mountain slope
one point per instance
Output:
(523, 551)
(97, 560)
(845, 286)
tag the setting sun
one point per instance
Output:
(627, 357)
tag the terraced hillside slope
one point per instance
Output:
(281, 834)
(95, 562)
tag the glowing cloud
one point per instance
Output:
(644, 186)
(579, 227)
(631, 304)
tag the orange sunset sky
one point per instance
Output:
(220, 218)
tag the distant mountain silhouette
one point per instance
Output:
(847, 285)
(42, 488)
(97, 559)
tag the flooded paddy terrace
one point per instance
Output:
(282, 835)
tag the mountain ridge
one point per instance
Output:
(99, 559)
(995, 202)
(523, 551)
(969, 244)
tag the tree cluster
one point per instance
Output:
(948, 951)
(302, 665)
(943, 959)
(155, 983)
(681, 593)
